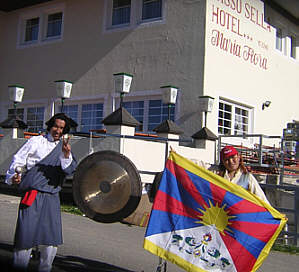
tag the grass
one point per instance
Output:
(286, 248)
(70, 209)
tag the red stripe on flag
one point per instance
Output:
(217, 193)
(186, 182)
(262, 232)
(242, 258)
(166, 203)
(245, 206)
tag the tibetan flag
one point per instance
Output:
(202, 222)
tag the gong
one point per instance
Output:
(107, 186)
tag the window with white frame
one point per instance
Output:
(40, 26)
(32, 116)
(87, 116)
(157, 113)
(72, 112)
(293, 47)
(279, 39)
(91, 117)
(151, 9)
(35, 119)
(150, 113)
(233, 119)
(121, 12)
(31, 30)
(129, 13)
(54, 25)
(136, 109)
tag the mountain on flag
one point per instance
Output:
(202, 222)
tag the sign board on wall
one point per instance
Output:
(238, 29)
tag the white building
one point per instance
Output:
(243, 53)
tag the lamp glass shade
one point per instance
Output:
(64, 88)
(16, 93)
(206, 103)
(122, 82)
(169, 94)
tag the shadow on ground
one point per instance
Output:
(76, 264)
(61, 263)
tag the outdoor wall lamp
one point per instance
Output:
(266, 104)
(122, 84)
(15, 94)
(169, 95)
(64, 89)
(206, 105)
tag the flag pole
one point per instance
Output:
(163, 263)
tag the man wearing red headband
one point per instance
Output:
(233, 169)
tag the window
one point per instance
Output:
(131, 13)
(35, 119)
(32, 28)
(32, 116)
(121, 12)
(18, 112)
(279, 39)
(293, 47)
(91, 117)
(157, 113)
(150, 113)
(241, 121)
(87, 116)
(233, 119)
(151, 9)
(225, 119)
(71, 111)
(54, 25)
(39, 26)
(136, 109)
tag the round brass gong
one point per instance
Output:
(107, 186)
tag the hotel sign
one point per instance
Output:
(234, 24)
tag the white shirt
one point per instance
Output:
(254, 186)
(32, 152)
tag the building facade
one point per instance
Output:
(243, 53)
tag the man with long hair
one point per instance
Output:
(38, 168)
(233, 169)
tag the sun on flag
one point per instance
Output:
(202, 222)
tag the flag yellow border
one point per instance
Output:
(222, 182)
(235, 189)
(167, 255)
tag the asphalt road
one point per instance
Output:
(92, 246)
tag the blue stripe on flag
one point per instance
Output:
(231, 199)
(253, 245)
(170, 186)
(258, 217)
(203, 186)
(161, 222)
